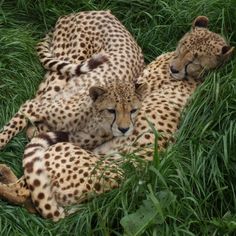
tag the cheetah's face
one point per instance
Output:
(199, 51)
(119, 106)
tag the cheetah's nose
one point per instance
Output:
(123, 130)
(173, 70)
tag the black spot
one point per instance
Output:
(97, 186)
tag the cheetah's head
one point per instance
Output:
(118, 106)
(199, 51)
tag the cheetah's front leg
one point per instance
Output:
(29, 111)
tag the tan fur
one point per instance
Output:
(197, 52)
(62, 166)
(67, 103)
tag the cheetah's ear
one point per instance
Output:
(200, 21)
(227, 52)
(95, 92)
(140, 89)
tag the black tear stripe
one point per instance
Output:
(185, 70)
(131, 119)
(113, 120)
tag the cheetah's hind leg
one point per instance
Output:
(6, 175)
(14, 190)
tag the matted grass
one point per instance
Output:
(188, 190)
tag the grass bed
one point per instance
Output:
(189, 189)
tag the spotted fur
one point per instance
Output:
(199, 51)
(65, 67)
(166, 96)
(56, 181)
(79, 36)
(94, 106)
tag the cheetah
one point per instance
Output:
(172, 78)
(90, 90)
(59, 173)
(78, 37)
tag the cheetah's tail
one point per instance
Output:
(50, 61)
(36, 175)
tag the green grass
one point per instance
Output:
(188, 190)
